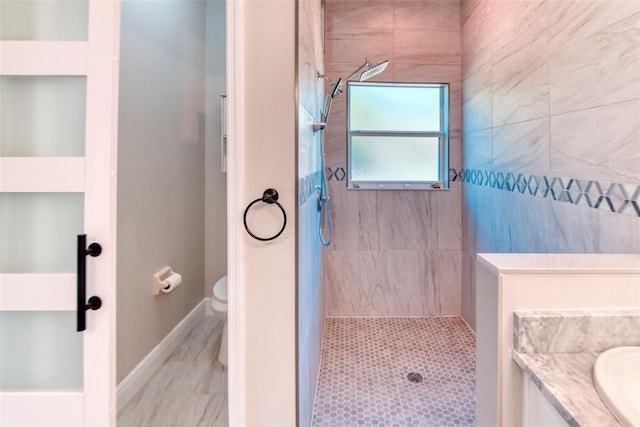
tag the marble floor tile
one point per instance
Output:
(202, 343)
(365, 366)
(205, 411)
(189, 389)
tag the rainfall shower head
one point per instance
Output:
(373, 70)
(370, 70)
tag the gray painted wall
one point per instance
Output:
(160, 170)
(215, 219)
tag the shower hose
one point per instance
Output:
(324, 203)
(325, 211)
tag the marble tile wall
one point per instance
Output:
(311, 305)
(550, 88)
(394, 253)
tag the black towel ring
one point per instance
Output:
(270, 196)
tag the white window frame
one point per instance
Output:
(442, 183)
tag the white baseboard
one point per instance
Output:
(139, 375)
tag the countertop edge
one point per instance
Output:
(560, 263)
(532, 366)
(548, 394)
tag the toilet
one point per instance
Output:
(218, 304)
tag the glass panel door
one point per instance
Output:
(44, 352)
(44, 19)
(57, 138)
(41, 116)
(56, 104)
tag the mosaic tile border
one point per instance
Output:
(307, 187)
(336, 174)
(607, 196)
(612, 197)
(340, 174)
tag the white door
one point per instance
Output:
(58, 111)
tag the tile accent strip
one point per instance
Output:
(336, 174)
(608, 196)
(340, 174)
(307, 187)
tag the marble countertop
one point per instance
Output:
(565, 380)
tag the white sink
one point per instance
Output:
(616, 375)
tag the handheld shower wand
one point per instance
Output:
(324, 200)
(370, 70)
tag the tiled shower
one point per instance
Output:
(399, 251)
(544, 153)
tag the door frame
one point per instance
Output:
(262, 278)
(235, 196)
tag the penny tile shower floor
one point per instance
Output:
(366, 361)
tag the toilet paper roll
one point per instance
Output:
(171, 282)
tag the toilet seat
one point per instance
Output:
(220, 290)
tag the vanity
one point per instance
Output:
(507, 284)
(557, 351)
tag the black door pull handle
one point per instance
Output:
(94, 303)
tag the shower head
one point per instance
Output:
(373, 70)
(370, 70)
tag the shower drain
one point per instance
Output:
(414, 377)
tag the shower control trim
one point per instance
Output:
(319, 196)
(319, 126)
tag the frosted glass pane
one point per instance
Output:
(40, 351)
(38, 232)
(44, 19)
(394, 108)
(42, 116)
(394, 159)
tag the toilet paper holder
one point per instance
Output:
(159, 280)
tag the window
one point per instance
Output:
(397, 136)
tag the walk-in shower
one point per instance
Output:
(324, 202)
